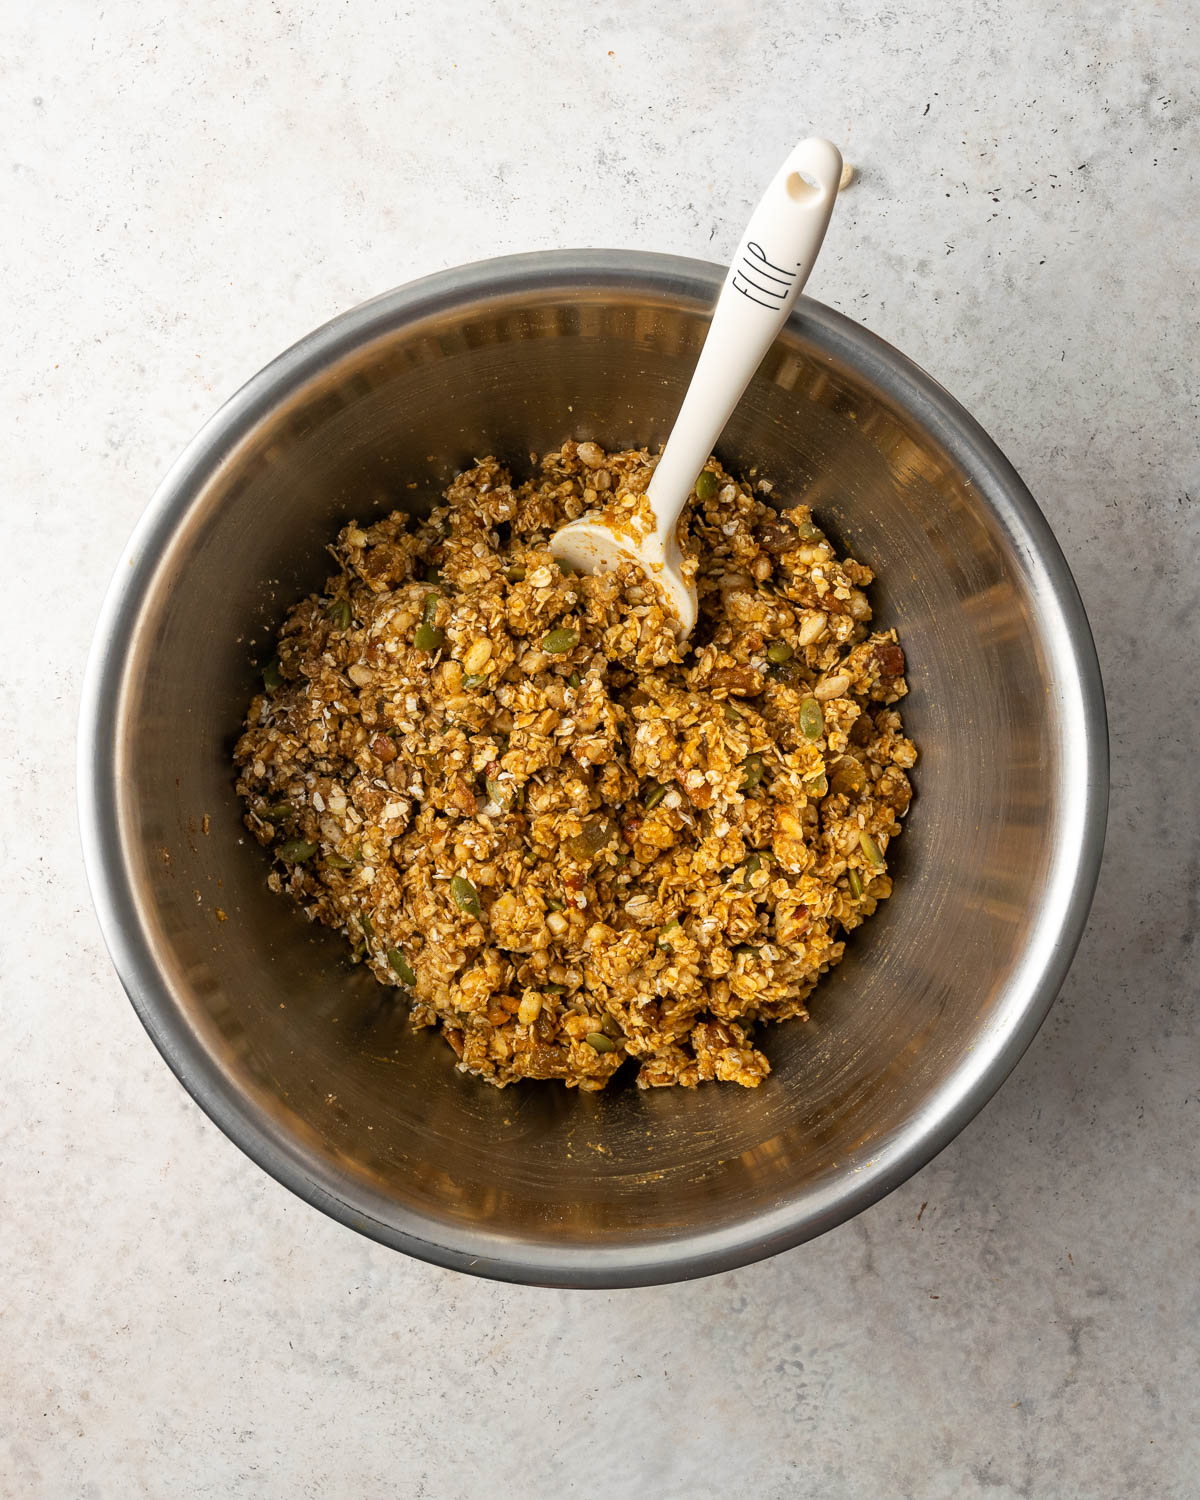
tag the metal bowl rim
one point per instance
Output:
(679, 281)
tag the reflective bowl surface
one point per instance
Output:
(308, 1065)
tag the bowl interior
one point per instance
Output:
(309, 1063)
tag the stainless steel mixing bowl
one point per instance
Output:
(309, 1066)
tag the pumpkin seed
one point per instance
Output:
(474, 679)
(812, 719)
(779, 652)
(466, 897)
(599, 1042)
(402, 967)
(339, 614)
(654, 796)
(751, 867)
(429, 638)
(338, 861)
(272, 675)
(870, 848)
(278, 812)
(429, 609)
(856, 885)
(574, 680)
(515, 574)
(706, 484)
(560, 641)
(752, 772)
(296, 851)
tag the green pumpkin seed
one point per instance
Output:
(674, 925)
(564, 567)
(574, 680)
(554, 904)
(272, 675)
(515, 574)
(402, 967)
(296, 851)
(368, 927)
(856, 885)
(817, 784)
(751, 867)
(474, 679)
(466, 897)
(654, 796)
(870, 848)
(338, 862)
(339, 614)
(812, 719)
(752, 772)
(808, 532)
(429, 638)
(599, 1042)
(706, 484)
(560, 641)
(779, 652)
(554, 989)
(429, 609)
(746, 950)
(278, 812)
(731, 713)
(610, 1026)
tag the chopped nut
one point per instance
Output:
(832, 687)
(477, 655)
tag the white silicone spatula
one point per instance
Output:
(772, 263)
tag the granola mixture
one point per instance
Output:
(569, 839)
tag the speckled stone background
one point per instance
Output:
(189, 188)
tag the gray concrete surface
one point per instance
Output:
(188, 188)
